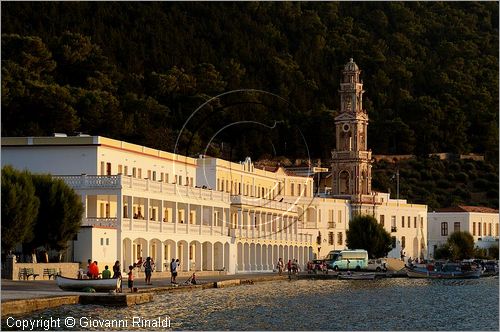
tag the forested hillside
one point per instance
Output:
(137, 71)
(440, 183)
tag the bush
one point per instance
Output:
(493, 193)
(442, 252)
(444, 183)
(454, 167)
(481, 184)
(462, 193)
(492, 178)
(469, 167)
(462, 177)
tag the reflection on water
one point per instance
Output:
(386, 304)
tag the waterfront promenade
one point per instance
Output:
(16, 290)
(22, 297)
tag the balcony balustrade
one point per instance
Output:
(120, 181)
(254, 233)
(264, 203)
(94, 221)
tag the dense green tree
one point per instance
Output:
(461, 245)
(19, 208)
(365, 233)
(59, 215)
(442, 252)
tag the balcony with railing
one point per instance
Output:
(254, 233)
(103, 222)
(157, 226)
(120, 181)
(263, 203)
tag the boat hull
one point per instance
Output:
(77, 285)
(422, 273)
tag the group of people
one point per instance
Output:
(148, 265)
(93, 271)
(174, 267)
(317, 266)
(292, 266)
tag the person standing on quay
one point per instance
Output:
(173, 271)
(289, 267)
(148, 269)
(131, 278)
(280, 266)
(117, 274)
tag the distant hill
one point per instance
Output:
(137, 71)
(440, 183)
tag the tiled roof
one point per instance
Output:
(467, 208)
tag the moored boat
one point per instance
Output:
(447, 271)
(77, 285)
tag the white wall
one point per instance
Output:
(56, 160)
(88, 245)
(144, 162)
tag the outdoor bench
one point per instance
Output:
(50, 273)
(25, 273)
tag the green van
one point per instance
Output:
(356, 259)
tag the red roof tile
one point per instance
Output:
(467, 208)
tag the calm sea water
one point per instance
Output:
(386, 304)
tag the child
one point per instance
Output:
(106, 274)
(193, 279)
(130, 278)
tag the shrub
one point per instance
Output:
(462, 177)
(481, 184)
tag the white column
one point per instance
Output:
(240, 219)
(119, 201)
(146, 213)
(83, 199)
(174, 216)
(131, 210)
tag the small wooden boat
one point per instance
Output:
(357, 276)
(77, 285)
(445, 273)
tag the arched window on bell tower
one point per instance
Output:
(344, 183)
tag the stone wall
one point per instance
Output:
(69, 270)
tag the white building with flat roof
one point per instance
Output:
(143, 202)
(481, 222)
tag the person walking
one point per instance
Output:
(173, 271)
(148, 270)
(289, 267)
(280, 265)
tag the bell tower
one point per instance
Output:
(351, 161)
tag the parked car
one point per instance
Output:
(378, 265)
(317, 265)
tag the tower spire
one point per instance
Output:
(351, 165)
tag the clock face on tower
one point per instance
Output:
(346, 127)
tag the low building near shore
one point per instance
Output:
(480, 222)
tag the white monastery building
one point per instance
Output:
(214, 214)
